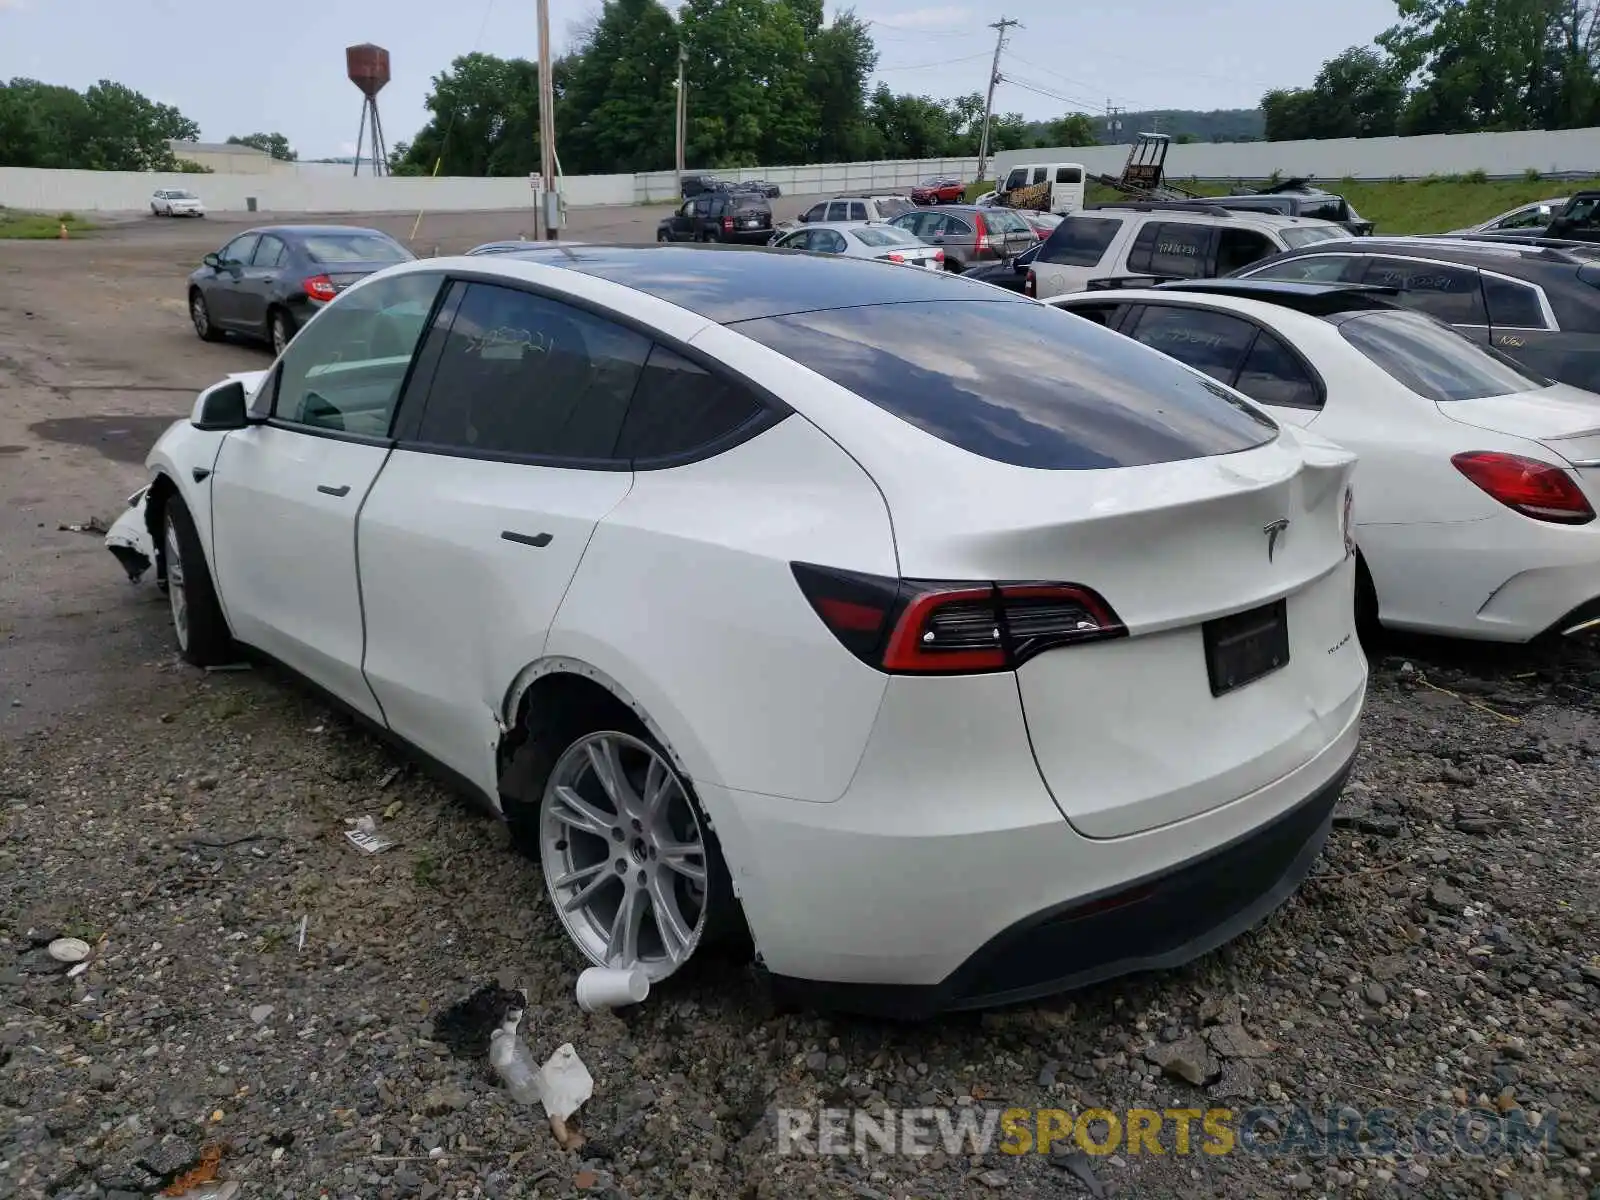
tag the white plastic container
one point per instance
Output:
(511, 1061)
(601, 988)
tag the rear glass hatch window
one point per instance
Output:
(1019, 384)
(1435, 361)
(750, 200)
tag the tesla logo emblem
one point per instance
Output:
(1274, 532)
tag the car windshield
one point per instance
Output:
(352, 248)
(1435, 361)
(932, 183)
(1305, 235)
(1019, 383)
(181, 196)
(884, 235)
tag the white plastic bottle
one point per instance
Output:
(512, 1062)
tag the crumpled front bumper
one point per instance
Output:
(129, 538)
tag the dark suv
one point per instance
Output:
(720, 217)
(1535, 300)
(1298, 199)
(699, 185)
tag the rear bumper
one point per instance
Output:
(1154, 923)
(1503, 579)
(916, 890)
(748, 237)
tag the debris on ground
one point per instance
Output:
(465, 1028)
(512, 1062)
(92, 525)
(602, 988)
(69, 950)
(203, 1172)
(366, 838)
(565, 1084)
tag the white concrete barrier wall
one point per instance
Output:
(1506, 155)
(318, 188)
(292, 191)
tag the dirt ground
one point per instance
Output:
(257, 982)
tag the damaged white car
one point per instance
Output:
(950, 649)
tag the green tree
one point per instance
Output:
(1358, 93)
(617, 112)
(1491, 64)
(485, 117)
(109, 127)
(274, 144)
(842, 57)
(1074, 129)
(748, 100)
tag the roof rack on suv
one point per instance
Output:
(1565, 250)
(1210, 210)
(1312, 298)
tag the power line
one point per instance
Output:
(1057, 74)
(1040, 90)
(924, 66)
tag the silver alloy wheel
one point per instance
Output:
(280, 332)
(177, 594)
(198, 314)
(623, 854)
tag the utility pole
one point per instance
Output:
(683, 119)
(1113, 124)
(547, 127)
(1001, 25)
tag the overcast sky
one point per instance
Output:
(238, 68)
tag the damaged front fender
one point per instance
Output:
(129, 538)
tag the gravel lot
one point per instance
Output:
(188, 825)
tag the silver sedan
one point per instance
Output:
(855, 239)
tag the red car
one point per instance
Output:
(939, 191)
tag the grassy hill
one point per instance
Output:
(1435, 205)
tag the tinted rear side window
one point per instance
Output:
(1434, 360)
(679, 408)
(1172, 248)
(1511, 305)
(523, 375)
(1080, 241)
(1019, 384)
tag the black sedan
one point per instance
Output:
(268, 282)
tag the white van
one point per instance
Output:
(1060, 187)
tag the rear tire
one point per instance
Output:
(200, 314)
(1368, 627)
(197, 620)
(561, 813)
(280, 330)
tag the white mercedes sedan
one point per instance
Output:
(948, 651)
(1476, 493)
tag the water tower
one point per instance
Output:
(368, 68)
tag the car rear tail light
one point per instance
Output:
(1535, 489)
(727, 224)
(895, 256)
(918, 627)
(1030, 286)
(320, 287)
(938, 256)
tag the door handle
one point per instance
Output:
(341, 490)
(536, 540)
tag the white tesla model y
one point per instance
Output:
(957, 652)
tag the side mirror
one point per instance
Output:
(212, 261)
(221, 407)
